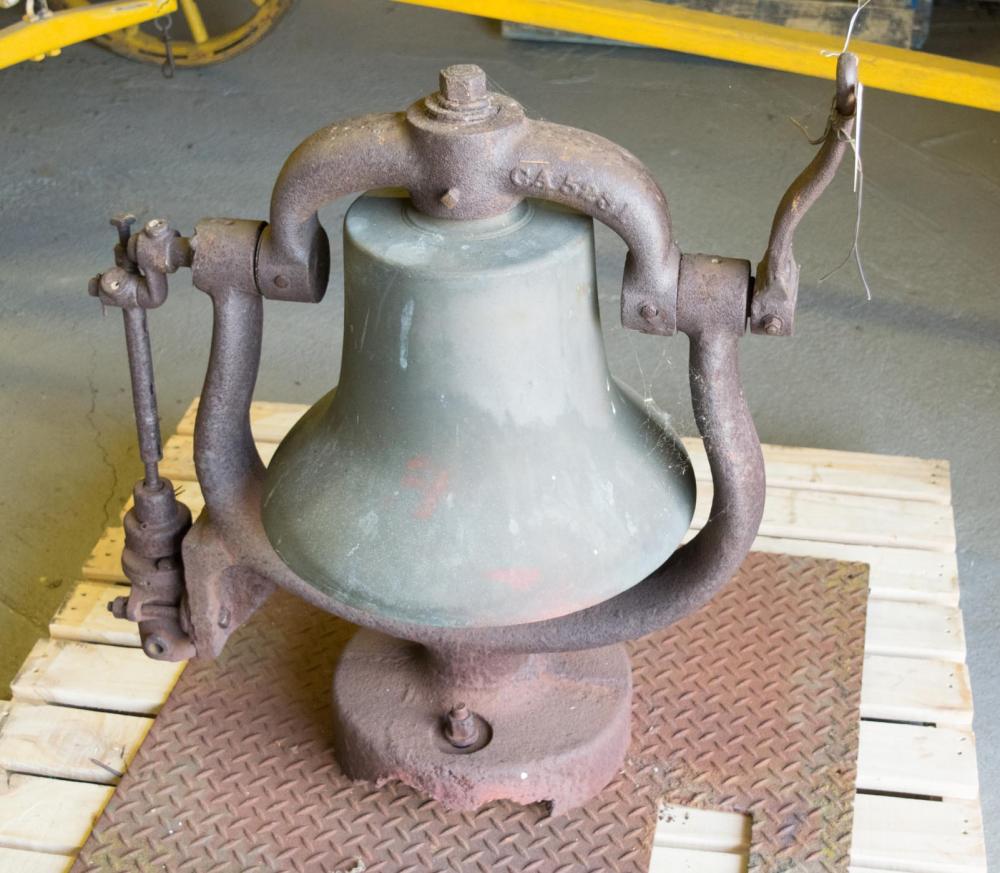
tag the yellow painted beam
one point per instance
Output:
(746, 41)
(28, 40)
(196, 24)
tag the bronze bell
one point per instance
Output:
(478, 493)
(477, 465)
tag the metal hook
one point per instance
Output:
(846, 101)
(163, 25)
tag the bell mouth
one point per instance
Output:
(403, 537)
(477, 466)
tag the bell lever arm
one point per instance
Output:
(156, 524)
(772, 309)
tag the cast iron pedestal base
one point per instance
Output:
(552, 728)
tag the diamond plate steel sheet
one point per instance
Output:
(751, 705)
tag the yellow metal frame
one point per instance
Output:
(35, 40)
(202, 48)
(746, 41)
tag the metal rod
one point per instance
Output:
(147, 419)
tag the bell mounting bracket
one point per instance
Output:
(463, 153)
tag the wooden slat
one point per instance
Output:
(48, 815)
(921, 836)
(667, 859)
(847, 518)
(916, 690)
(891, 476)
(912, 759)
(22, 861)
(84, 616)
(105, 561)
(787, 466)
(93, 676)
(682, 827)
(895, 574)
(921, 630)
(854, 868)
(69, 743)
(890, 833)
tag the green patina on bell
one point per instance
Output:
(477, 465)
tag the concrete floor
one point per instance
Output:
(915, 371)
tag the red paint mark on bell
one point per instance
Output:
(517, 578)
(432, 495)
(430, 484)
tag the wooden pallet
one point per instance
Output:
(86, 696)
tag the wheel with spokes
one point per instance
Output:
(200, 33)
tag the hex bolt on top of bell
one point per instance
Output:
(463, 95)
(463, 85)
(461, 729)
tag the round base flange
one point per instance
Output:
(555, 729)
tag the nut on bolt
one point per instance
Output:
(461, 729)
(118, 607)
(772, 325)
(463, 85)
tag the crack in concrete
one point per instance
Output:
(90, 416)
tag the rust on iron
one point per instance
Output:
(554, 728)
(750, 706)
(772, 309)
(156, 524)
(461, 729)
(462, 153)
(483, 166)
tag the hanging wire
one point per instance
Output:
(859, 173)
